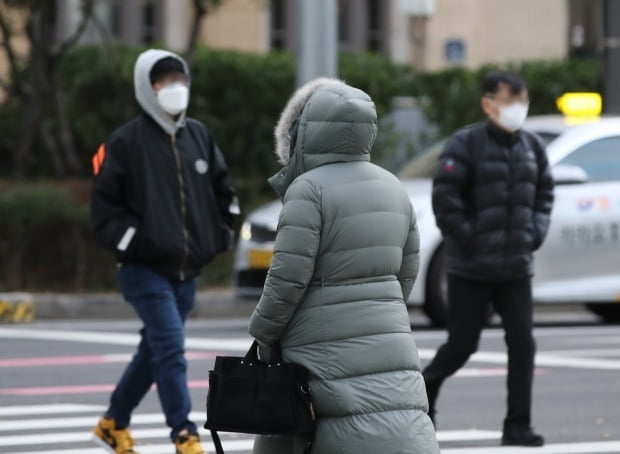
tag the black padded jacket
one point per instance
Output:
(492, 198)
(162, 201)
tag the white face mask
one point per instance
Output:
(513, 117)
(173, 98)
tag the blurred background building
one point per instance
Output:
(429, 34)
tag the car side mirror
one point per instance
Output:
(569, 174)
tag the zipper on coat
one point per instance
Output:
(177, 158)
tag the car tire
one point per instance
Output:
(436, 304)
(609, 312)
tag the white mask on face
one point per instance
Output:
(173, 98)
(513, 117)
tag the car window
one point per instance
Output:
(547, 137)
(600, 159)
(424, 165)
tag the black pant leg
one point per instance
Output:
(513, 302)
(468, 304)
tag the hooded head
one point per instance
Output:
(325, 121)
(146, 73)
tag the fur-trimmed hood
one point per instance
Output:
(292, 112)
(325, 121)
(345, 97)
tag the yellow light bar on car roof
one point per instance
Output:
(580, 104)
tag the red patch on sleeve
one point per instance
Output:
(448, 166)
(98, 159)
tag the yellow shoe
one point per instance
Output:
(188, 443)
(112, 440)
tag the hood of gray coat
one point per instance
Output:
(145, 94)
(325, 121)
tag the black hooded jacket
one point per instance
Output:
(492, 198)
(162, 201)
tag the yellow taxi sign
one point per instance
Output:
(580, 104)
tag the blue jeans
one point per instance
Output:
(162, 305)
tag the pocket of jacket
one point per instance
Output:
(226, 240)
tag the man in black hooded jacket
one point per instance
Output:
(492, 198)
(163, 202)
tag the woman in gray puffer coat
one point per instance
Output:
(345, 260)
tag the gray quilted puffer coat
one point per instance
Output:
(346, 258)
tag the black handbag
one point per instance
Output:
(248, 396)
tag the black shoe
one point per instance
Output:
(521, 436)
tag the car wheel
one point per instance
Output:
(436, 305)
(609, 312)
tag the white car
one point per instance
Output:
(580, 259)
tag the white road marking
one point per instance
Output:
(609, 447)
(468, 435)
(596, 447)
(236, 344)
(584, 352)
(74, 437)
(542, 360)
(228, 445)
(20, 410)
(231, 442)
(83, 421)
(162, 432)
(498, 333)
(593, 340)
(242, 344)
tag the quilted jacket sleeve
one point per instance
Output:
(111, 217)
(449, 192)
(292, 266)
(411, 259)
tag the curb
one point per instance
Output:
(217, 303)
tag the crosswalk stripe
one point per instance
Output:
(242, 344)
(81, 360)
(74, 437)
(22, 410)
(609, 447)
(467, 435)
(79, 389)
(236, 344)
(542, 360)
(228, 445)
(152, 439)
(158, 418)
(90, 421)
(156, 433)
(597, 447)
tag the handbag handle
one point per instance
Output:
(217, 442)
(252, 358)
(252, 355)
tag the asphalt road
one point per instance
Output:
(55, 379)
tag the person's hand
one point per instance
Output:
(264, 352)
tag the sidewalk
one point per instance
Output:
(213, 303)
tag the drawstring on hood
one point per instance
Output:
(145, 94)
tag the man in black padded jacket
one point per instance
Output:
(492, 198)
